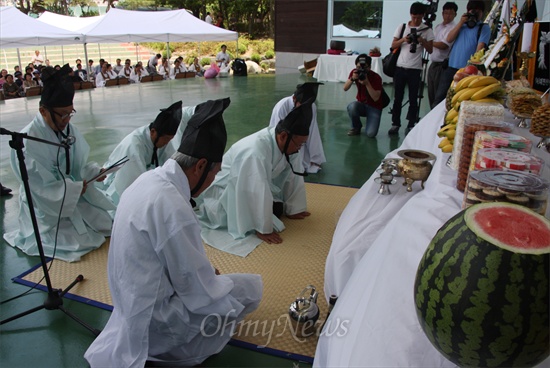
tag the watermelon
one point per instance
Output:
(482, 287)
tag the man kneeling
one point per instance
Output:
(168, 299)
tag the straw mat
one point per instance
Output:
(286, 270)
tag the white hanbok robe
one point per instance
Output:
(135, 78)
(138, 147)
(254, 174)
(175, 70)
(312, 152)
(166, 295)
(84, 222)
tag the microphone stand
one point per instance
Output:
(54, 300)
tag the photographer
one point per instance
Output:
(369, 101)
(469, 35)
(417, 37)
(440, 54)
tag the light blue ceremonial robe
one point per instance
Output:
(84, 222)
(138, 147)
(312, 153)
(239, 202)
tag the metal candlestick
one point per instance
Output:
(524, 56)
(387, 173)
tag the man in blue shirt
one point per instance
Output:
(468, 39)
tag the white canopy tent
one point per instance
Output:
(19, 30)
(118, 26)
(74, 24)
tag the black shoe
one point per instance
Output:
(5, 191)
(394, 130)
(353, 132)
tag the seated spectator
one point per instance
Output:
(137, 73)
(18, 77)
(127, 70)
(38, 78)
(103, 75)
(76, 62)
(111, 72)
(10, 88)
(48, 63)
(90, 69)
(3, 74)
(37, 59)
(164, 69)
(98, 68)
(196, 67)
(178, 68)
(16, 69)
(118, 67)
(29, 82)
(81, 73)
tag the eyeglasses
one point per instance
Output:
(65, 116)
(298, 144)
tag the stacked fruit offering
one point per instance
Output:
(468, 86)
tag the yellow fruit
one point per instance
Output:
(443, 131)
(465, 82)
(483, 81)
(444, 142)
(455, 120)
(451, 133)
(451, 114)
(447, 149)
(468, 93)
(457, 96)
(486, 91)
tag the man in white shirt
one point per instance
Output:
(137, 73)
(208, 18)
(118, 67)
(409, 65)
(37, 59)
(441, 50)
(152, 64)
(222, 58)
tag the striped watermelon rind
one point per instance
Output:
(481, 304)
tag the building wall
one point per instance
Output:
(301, 29)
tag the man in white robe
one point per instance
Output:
(84, 221)
(257, 185)
(146, 148)
(313, 155)
(171, 306)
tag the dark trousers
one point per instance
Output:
(444, 83)
(401, 78)
(434, 77)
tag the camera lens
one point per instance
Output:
(472, 20)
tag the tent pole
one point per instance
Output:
(137, 52)
(19, 58)
(99, 49)
(168, 50)
(86, 60)
(62, 55)
(5, 59)
(45, 54)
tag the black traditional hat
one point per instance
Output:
(168, 121)
(58, 90)
(205, 135)
(307, 91)
(298, 121)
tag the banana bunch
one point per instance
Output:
(472, 88)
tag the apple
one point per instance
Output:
(470, 69)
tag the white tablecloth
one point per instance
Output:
(371, 267)
(336, 68)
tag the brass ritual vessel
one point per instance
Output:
(414, 166)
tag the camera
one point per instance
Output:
(431, 9)
(413, 40)
(362, 70)
(472, 19)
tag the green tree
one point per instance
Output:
(361, 15)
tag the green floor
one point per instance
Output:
(105, 116)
